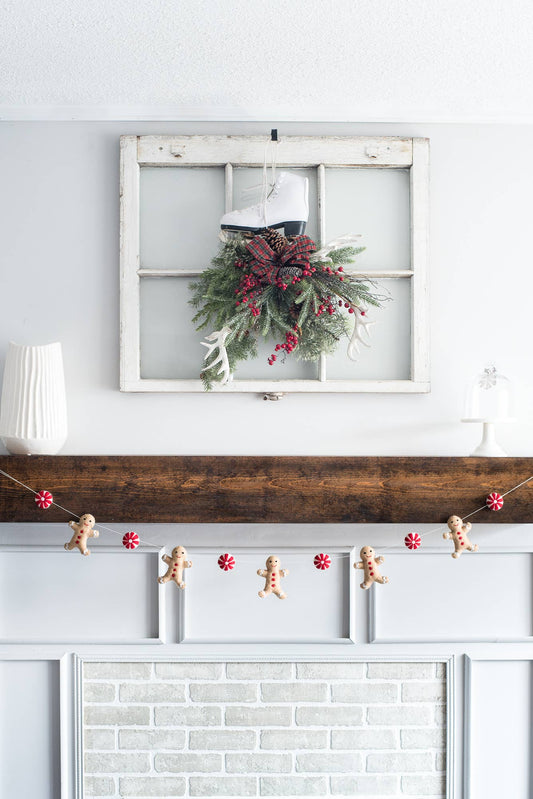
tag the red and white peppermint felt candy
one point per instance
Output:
(44, 499)
(322, 561)
(412, 541)
(495, 501)
(130, 540)
(226, 562)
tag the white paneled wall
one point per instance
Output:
(29, 729)
(332, 678)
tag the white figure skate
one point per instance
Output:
(287, 206)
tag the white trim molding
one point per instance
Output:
(10, 112)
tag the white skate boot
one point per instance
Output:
(287, 206)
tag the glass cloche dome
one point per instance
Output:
(489, 398)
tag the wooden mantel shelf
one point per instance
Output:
(168, 489)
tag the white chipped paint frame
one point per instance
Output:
(74, 723)
(154, 552)
(298, 151)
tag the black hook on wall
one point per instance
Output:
(274, 134)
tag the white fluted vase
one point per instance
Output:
(33, 409)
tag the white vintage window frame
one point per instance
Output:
(295, 151)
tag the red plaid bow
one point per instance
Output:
(265, 262)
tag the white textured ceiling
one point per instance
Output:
(343, 59)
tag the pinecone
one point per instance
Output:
(289, 271)
(275, 240)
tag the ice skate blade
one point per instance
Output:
(291, 228)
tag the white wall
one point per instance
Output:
(59, 281)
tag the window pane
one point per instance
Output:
(292, 369)
(375, 203)
(248, 177)
(180, 216)
(389, 354)
(170, 346)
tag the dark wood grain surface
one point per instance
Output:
(265, 489)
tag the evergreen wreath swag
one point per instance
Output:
(280, 288)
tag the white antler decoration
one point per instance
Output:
(335, 244)
(361, 324)
(218, 337)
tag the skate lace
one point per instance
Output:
(269, 191)
(274, 192)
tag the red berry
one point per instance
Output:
(340, 269)
(350, 310)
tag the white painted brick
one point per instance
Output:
(125, 716)
(221, 739)
(400, 671)
(152, 692)
(98, 763)
(99, 786)
(424, 786)
(399, 715)
(294, 739)
(188, 716)
(324, 716)
(329, 762)
(440, 761)
(424, 692)
(364, 692)
(259, 763)
(294, 692)
(429, 738)
(440, 670)
(293, 786)
(117, 671)
(188, 671)
(188, 762)
(223, 692)
(152, 786)
(364, 785)
(99, 739)
(440, 715)
(363, 738)
(259, 671)
(258, 716)
(223, 786)
(98, 692)
(151, 739)
(399, 762)
(330, 671)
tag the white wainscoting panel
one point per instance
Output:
(48, 595)
(480, 596)
(225, 606)
(498, 759)
(29, 725)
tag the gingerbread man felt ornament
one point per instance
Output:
(176, 562)
(459, 532)
(369, 563)
(82, 531)
(273, 575)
